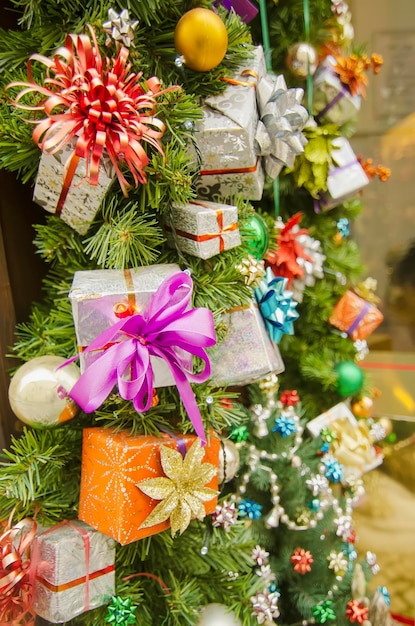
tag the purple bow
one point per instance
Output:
(164, 329)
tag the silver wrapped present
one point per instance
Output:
(282, 118)
(100, 298)
(346, 176)
(204, 228)
(226, 137)
(74, 571)
(83, 199)
(332, 99)
(246, 354)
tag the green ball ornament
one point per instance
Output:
(255, 234)
(349, 378)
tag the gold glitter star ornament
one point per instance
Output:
(182, 490)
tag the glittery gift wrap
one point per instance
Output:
(204, 228)
(225, 137)
(96, 296)
(74, 571)
(351, 444)
(346, 176)
(83, 199)
(113, 463)
(355, 316)
(246, 354)
(332, 99)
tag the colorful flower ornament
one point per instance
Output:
(284, 260)
(357, 612)
(276, 305)
(285, 426)
(323, 612)
(250, 509)
(121, 612)
(333, 469)
(265, 606)
(302, 561)
(100, 104)
(182, 490)
(225, 516)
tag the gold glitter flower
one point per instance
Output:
(182, 491)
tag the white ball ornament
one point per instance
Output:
(217, 615)
(38, 392)
(228, 461)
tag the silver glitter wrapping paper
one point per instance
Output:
(93, 295)
(346, 177)
(61, 560)
(326, 87)
(226, 138)
(83, 199)
(202, 218)
(246, 354)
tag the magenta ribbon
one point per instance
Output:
(162, 328)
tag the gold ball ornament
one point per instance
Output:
(201, 38)
(363, 407)
(301, 59)
(228, 461)
(38, 392)
(387, 424)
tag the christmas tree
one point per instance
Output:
(189, 455)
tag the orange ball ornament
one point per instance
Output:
(201, 38)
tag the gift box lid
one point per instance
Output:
(346, 176)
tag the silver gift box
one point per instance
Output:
(332, 100)
(346, 176)
(95, 296)
(226, 137)
(246, 354)
(83, 199)
(204, 228)
(69, 580)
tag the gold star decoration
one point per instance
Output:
(182, 490)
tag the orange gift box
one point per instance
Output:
(355, 316)
(113, 464)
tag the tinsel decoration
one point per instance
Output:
(282, 118)
(248, 509)
(357, 612)
(276, 305)
(260, 415)
(253, 270)
(323, 612)
(225, 516)
(285, 260)
(108, 109)
(121, 612)
(180, 498)
(120, 28)
(265, 606)
(302, 561)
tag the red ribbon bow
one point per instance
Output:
(100, 103)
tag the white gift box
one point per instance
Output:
(204, 228)
(332, 99)
(74, 571)
(97, 295)
(346, 176)
(83, 200)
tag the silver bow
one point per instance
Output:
(282, 118)
(120, 28)
(312, 269)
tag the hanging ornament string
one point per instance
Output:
(268, 65)
(306, 4)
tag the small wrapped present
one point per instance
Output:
(83, 199)
(74, 571)
(115, 464)
(246, 354)
(346, 176)
(101, 297)
(204, 228)
(332, 99)
(226, 137)
(355, 316)
(350, 440)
